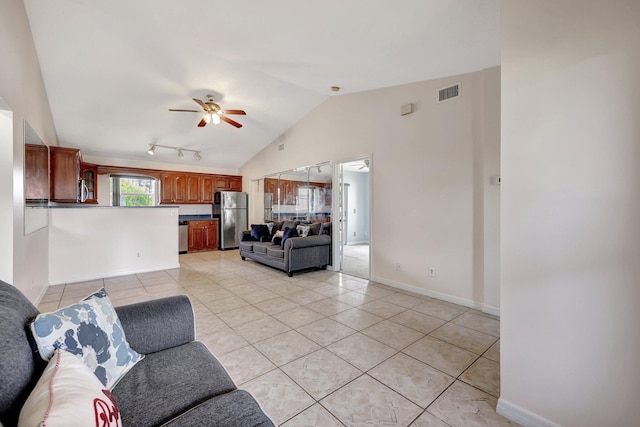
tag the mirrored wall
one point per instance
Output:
(36, 181)
(303, 194)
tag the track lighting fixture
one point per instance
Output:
(196, 153)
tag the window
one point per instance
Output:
(133, 191)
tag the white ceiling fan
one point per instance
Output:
(365, 165)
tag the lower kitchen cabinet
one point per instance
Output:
(203, 235)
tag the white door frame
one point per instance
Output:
(338, 214)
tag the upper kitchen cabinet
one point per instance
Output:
(173, 187)
(36, 172)
(227, 183)
(89, 174)
(193, 188)
(206, 189)
(65, 174)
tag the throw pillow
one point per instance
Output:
(289, 232)
(277, 237)
(303, 230)
(277, 226)
(314, 229)
(91, 330)
(259, 230)
(68, 394)
(290, 224)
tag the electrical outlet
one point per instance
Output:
(432, 272)
(354, 234)
(397, 266)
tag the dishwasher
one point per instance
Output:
(183, 237)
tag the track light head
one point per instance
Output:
(152, 149)
(180, 153)
(197, 155)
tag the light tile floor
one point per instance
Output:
(328, 349)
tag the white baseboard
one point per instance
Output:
(103, 275)
(522, 416)
(438, 295)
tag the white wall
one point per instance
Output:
(6, 193)
(358, 200)
(570, 250)
(22, 88)
(91, 243)
(425, 159)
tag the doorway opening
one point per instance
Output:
(354, 213)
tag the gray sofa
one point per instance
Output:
(298, 253)
(178, 383)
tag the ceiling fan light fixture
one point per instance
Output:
(152, 150)
(215, 118)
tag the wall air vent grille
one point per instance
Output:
(449, 92)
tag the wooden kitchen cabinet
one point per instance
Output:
(235, 183)
(173, 187)
(64, 174)
(89, 174)
(206, 189)
(227, 183)
(193, 188)
(271, 186)
(36, 172)
(203, 235)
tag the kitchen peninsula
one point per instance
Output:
(90, 242)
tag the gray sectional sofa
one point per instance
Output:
(297, 253)
(178, 383)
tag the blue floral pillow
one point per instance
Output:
(91, 330)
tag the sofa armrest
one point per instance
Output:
(158, 324)
(305, 242)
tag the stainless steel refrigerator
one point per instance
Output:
(230, 207)
(268, 206)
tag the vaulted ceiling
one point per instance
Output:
(112, 69)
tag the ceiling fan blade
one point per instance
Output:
(200, 103)
(231, 122)
(234, 112)
(362, 167)
(202, 123)
(186, 111)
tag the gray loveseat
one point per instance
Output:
(297, 253)
(178, 383)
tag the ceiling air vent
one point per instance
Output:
(449, 92)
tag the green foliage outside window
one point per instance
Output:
(131, 191)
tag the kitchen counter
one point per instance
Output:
(194, 217)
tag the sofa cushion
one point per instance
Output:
(277, 226)
(168, 383)
(246, 246)
(289, 232)
(19, 369)
(314, 229)
(235, 409)
(290, 224)
(69, 394)
(275, 252)
(91, 330)
(261, 247)
(325, 228)
(258, 231)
